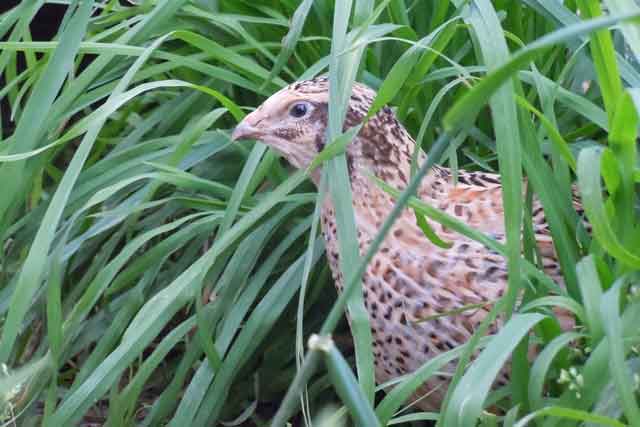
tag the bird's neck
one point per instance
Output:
(382, 148)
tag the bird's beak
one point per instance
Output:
(246, 129)
(243, 131)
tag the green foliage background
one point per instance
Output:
(154, 273)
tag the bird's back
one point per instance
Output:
(416, 292)
(422, 299)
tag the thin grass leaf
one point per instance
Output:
(467, 108)
(342, 72)
(400, 393)
(344, 381)
(570, 414)
(591, 292)
(30, 128)
(624, 384)
(543, 363)
(291, 40)
(31, 273)
(467, 400)
(589, 183)
(484, 21)
(630, 30)
(604, 58)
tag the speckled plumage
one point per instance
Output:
(409, 278)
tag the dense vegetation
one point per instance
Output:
(152, 272)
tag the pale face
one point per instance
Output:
(294, 121)
(290, 121)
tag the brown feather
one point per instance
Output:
(410, 278)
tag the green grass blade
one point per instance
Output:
(542, 365)
(344, 381)
(570, 414)
(604, 58)
(623, 379)
(591, 292)
(342, 72)
(31, 128)
(466, 109)
(467, 400)
(484, 22)
(589, 182)
(291, 40)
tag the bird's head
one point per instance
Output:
(294, 121)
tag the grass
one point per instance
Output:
(154, 273)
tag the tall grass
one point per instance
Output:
(154, 273)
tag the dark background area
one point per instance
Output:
(44, 27)
(45, 24)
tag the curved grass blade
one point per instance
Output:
(342, 73)
(466, 109)
(400, 393)
(589, 168)
(344, 382)
(467, 400)
(32, 271)
(569, 414)
(290, 41)
(591, 292)
(31, 128)
(622, 378)
(542, 364)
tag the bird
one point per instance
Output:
(409, 279)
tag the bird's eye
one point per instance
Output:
(299, 109)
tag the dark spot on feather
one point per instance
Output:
(462, 179)
(491, 179)
(319, 141)
(320, 113)
(350, 165)
(403, 319)
(433, 268)
(474, 179)
(469, 277)
(491, 271)
(402, 176)
(469, 263)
